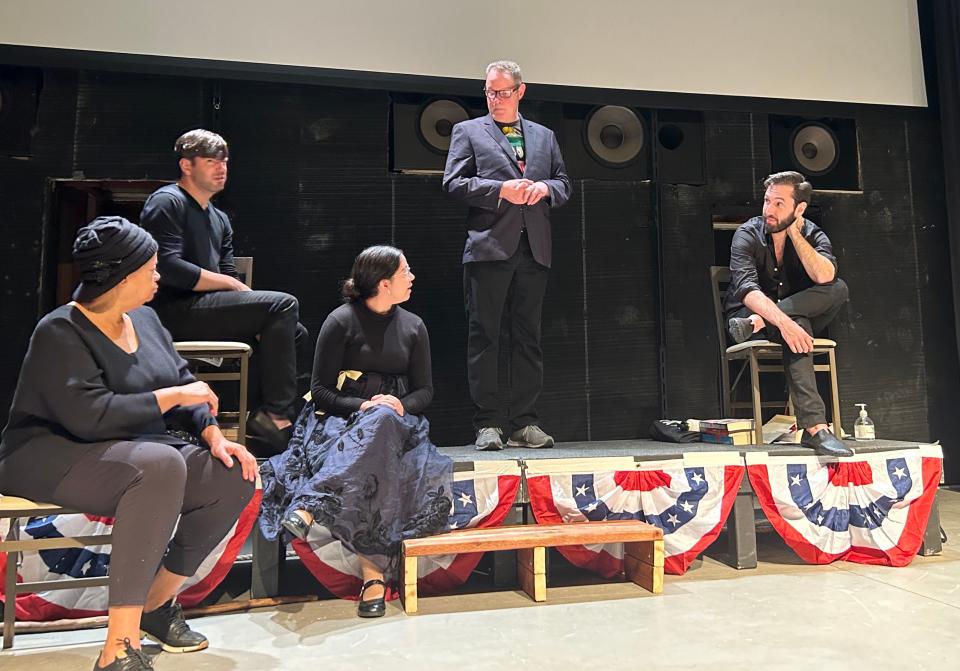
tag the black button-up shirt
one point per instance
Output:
(754, 266)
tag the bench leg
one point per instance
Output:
(408, 585)
(931, 535)
(10, 587)
(268, 558)
(643, 564)
(532, 571)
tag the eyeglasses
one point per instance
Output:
(503, 94)
(408, 271)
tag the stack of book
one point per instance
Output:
(727, 431)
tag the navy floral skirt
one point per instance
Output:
(373, 479)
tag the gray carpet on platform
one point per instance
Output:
(649, 448)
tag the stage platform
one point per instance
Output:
(736, 547)
(649, 449)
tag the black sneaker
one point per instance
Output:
(128, 659)
(530, 436)
(166, 626)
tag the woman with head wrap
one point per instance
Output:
(107, 420)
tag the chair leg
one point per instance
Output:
(835, 395)
(725, 389)
(755, 395)
(10, 587)
(242, 423)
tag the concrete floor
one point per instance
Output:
(781, 615)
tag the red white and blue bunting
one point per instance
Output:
(482, 498)
(94, 561)
(871, 508)
(689, 498)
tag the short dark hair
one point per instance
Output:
(372, 265)
(802, 189)
(201, 143)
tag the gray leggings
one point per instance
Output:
(146, 487)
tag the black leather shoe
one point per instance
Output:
(261, 427)
(296, 525)
(166, 626)
(373, 607)
(825, 443)
(128, 659)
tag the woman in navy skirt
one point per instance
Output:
(360, 461)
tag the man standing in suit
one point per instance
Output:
(510, 173)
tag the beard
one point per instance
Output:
(781, 225)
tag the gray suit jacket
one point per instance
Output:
(480, 160)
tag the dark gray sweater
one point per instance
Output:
(77, 387)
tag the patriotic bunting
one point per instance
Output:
(871, 508)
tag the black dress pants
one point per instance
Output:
(242, 316)
(813, 309)
(486, 287)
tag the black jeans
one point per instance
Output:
(813, 309)
(242, 316)
(486, 285)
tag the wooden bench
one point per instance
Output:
(14, 508)
(642, 549)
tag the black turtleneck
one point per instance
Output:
(353, 337)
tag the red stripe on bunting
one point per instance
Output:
(844, 473)
(641, 481)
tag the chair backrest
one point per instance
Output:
(719, 281)
(245, 269)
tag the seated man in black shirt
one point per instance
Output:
(201, 296)
(784, 287)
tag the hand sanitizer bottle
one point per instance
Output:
(863, 428)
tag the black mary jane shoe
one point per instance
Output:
(296, 525)
(373, 607)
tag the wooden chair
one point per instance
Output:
(206, 351)
(752, 356)
(14, 508)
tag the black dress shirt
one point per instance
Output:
(754, 266)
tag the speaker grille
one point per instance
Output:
(614, 135)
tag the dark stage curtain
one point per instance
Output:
(947, 38)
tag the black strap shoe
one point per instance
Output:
(166, 626)
(128, 659)
(825, 443)
(373, 607)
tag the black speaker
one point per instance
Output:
(606, 142)
(679, 147)
(19, 97)
(825, 150)
(421, 130)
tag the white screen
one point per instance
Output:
(863, 51)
